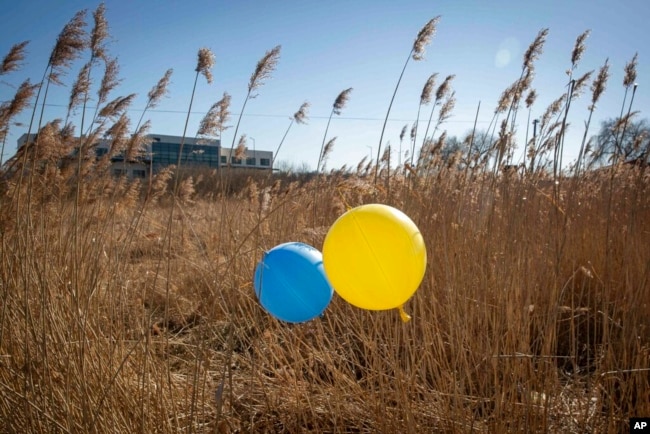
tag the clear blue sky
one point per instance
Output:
(330, 46)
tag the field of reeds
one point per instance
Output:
(128, 306)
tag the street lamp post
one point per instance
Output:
(254, 156)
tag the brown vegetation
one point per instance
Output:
(128, 306)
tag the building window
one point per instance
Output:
(119, 172)
(250, 161)
(139, 173)
(234, 160)
(224, 159)
(265, 161)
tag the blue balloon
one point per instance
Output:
(291, 284)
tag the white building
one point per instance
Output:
(163, 150)
(254, 159)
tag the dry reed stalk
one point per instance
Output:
(11, 109)
(597, 88)
(441, 93)
(157, 92)
(629, 80)
(402, 134)
(425, 99)
(205, 61)
(326, 151)
(337, 107)
(510, 99)
(417, 52)
(263, 70)
(299, 117)
(575, 89)
(69, 44)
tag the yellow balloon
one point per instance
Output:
(374, 257)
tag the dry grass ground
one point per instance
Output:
(127, 306)
(528, 319)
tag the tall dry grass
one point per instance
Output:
(533, 315)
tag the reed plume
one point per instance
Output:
(403, 132)
(575, 89)
(505, 100)
(69, 45)
(629, 80)
(20, 101)
(530, 98)
(263, 70)
(425, 95)
(97, 44)
(511, 98)
(157, 92)
(99, 33)
(137, 143)
(535, 49)
(580, 84)
(116, 107)
(186, 191)
(425, 99)
(579, 48)
(80, 88)
(110, 79)
(13, 60)
(109, 82)
(117, 135)
(160, 183)
(326, 151)
(70, 42)
(205, 63)
(240, 150)
(446, 109)
(385, 157)
(424, 37)
(11, 109)
(299, 117)
(339, 104)
(341, 101)
(441, 93)
(630, 71)
(214, 121)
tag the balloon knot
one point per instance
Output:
(402, 314)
